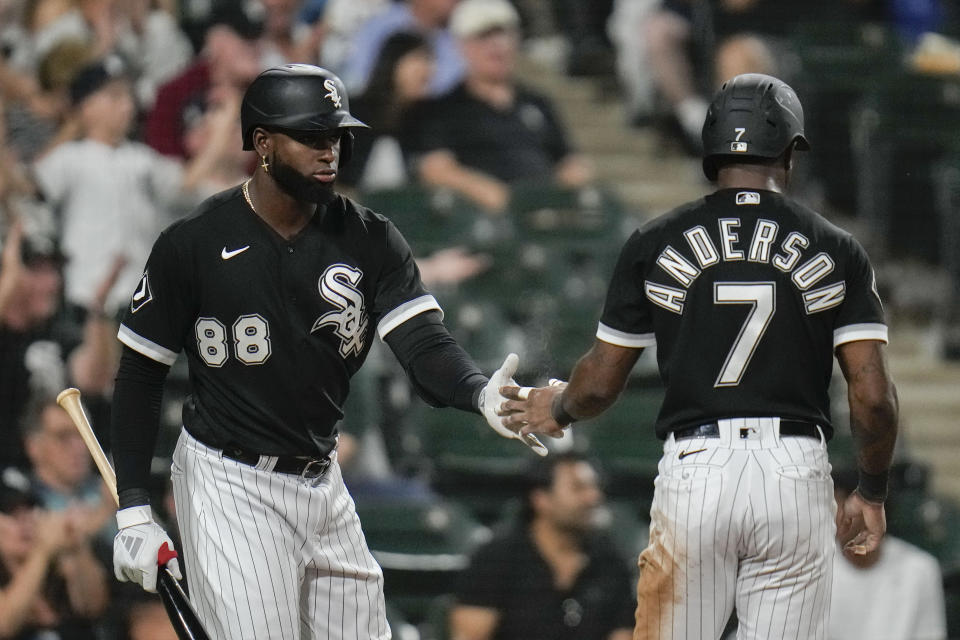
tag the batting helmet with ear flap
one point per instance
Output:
(753, 115)
(298, 97)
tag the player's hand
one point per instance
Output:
(528, 410)
(860, 525)
(140, 547)
(491, 399)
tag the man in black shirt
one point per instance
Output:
(275, 290)
(490, 131)
(747, 296)
(552, 577)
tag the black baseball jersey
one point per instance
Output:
(745, 294)
(272, 329)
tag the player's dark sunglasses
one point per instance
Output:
(312, 139)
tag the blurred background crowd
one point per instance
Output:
(515, 144)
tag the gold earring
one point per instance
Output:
(264, 164)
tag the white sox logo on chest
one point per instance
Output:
(338, 286)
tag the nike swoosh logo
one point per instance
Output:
(226, 255)
(684, 454)
(142, 291)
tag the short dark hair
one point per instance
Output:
(542, 472)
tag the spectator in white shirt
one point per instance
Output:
(112, 193)
(894, 593)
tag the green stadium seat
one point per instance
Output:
(623, 440)
(467, 460)
(437, 623)
(399, 626)
(435, 219)
(421, 545)
(929, 522)
(576, 215)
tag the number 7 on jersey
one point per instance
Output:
(761, 296)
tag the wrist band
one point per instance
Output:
(558, 413)
(872, 487)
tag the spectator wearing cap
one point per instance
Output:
(514, 134)
(228, 60)
(427, 17)
(107, 189)
(50, 582)
(112, 193)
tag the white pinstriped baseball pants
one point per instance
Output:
(746, 519)
(270, 556)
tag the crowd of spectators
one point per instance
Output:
(119, 116)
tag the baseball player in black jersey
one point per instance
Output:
(275, 290)
(747, 296)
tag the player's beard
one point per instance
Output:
(298, 186)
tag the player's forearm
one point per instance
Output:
(597, 380)
(873, 413)
(135, 421)
(873, 420)
(442, 373)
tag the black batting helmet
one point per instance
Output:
(753, 115)
(298, 97)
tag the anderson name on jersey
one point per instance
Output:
(780, 282)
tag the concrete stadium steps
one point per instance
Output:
(929, 391)
(649, 173)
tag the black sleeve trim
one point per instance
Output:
(134, 423)
(442, 373)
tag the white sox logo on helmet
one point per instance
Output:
(338, 286)
(333, 94)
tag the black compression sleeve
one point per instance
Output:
(135, 420)
(440, 370)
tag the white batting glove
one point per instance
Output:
(140, 547)
(491, 399)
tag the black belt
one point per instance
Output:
(712, 430)
(295, 465)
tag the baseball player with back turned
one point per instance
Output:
(275, 290)
(746, 295)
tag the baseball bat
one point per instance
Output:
(181, 614)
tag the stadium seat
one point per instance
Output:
(421, 545)
(435, 219)
(400, 628)
(624, 442)
(581, 215)
(929, 522)
(467, 460)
